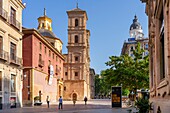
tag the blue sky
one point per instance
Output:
(108, 21)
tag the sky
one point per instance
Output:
(108, 21)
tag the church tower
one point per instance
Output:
(77, 63)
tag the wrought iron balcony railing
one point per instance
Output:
(41, 63)
(15, 60)
(4, 55)
(58, 71)
(14, 22)
(3, 13)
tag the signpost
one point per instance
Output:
(116, 96)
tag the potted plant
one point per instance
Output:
(143, 105)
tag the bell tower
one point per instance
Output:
(78, 58)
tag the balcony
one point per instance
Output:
(3, 13)
(14, 22)
(41, 63)
(58, 71)
(4, 55)
(15, 60)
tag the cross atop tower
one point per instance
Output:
(44, 12)
(77, 4)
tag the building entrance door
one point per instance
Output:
(75, 96)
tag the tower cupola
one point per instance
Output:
(135, 29)
(45, 22)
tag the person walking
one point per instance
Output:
(48, 101)
(85, 99)
(60, 103)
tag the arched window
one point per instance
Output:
(76, 39)
(76, 22)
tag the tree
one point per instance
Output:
(97, 84)
(131, 73)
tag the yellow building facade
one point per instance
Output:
(10, 53)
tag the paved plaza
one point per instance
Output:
(93, 106)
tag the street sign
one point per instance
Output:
(116, 96)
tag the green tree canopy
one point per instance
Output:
(131, 73)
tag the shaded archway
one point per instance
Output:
(74, 96)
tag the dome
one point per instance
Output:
(46, 33)
(135, 24)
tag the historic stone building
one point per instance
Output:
(92, 83)
(158, 12)
(77, 63)
(10, 53)
(43, 63)
(136, 36)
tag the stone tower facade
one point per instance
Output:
(77, 61)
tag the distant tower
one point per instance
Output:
(136, 36)
(136, 29)
(77, 63)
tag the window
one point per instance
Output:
(0, 3)
(0, 81)
(64, 88)
(76, 39)
(45, 50)
(53, 55)
(40, 46)
(57, 70)
(13, 51)
(76, 22)
(76, 58)
(13, 83)
(13, 16)
(146, 53)
(131, 48)
(146, 46)
(162, 49)
(49, 62)
(66, 73)
(43, 25)
(40, 57)
(1, 43)
(76, 73)
(49, 53)
(151, 67)
(56, 58)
